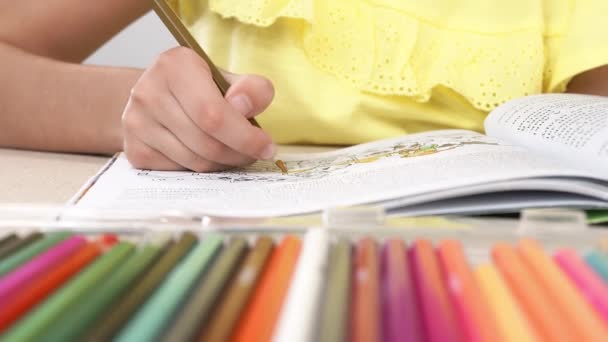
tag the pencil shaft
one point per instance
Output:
(587, 281)
(28, 252)
(236, 297)
(15, 244)
(72, 325)
(36, 325)
(400, 321)
(259, 319)
(474, 315)
(154, 316)
(564, 295)
(39, 289)
(512, 322)
(334, 311)
(365, 319)
(438, 313)
(599, 262)
(15, 280)
(297, 318)
(7, 239)
(112, 320)
(533, 299)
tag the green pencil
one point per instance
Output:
(113, 319)
(334, 311)
(37, 325)
(74, 324)
(19, 242)
(31, 250)
(152, 318)
(599, 262)
(207, 292)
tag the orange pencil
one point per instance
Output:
(539, 308)
(475, 316)
(365, 313)
(580, 315)
(37, 291)
(260, 316)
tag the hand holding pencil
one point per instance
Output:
(184, 114)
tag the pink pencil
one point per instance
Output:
(400, 321)
(14, 281)
(587, 281)
(438, 315)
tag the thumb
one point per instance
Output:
(249, 94)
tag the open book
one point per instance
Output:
(539, 151)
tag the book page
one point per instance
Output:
(369, 173)
(572, 128)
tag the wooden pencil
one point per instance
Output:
(365, 314)
(237, 295)
(13, 245)
(114, 319)
(259, 319)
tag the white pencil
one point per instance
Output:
(298, 314)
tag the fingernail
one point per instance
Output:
(269, 152)
(241, 103)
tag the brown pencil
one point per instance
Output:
(237, 296)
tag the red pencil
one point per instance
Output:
(476, 319)
(38, 290)
(437, 312)
(365, 314)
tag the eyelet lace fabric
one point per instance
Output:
(409, 47)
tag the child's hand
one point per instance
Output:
(176, 117)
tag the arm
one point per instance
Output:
(593, 82)
(47, 103)
(170, 116)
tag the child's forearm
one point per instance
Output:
(56, 106)
(591, 82)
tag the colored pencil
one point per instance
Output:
(566, 298)
(237, 296)
(298, 313)
(531, 296)
(13, 245)
(334, 312)
(37, 324)
(120, 313)
(259, 319)
(8, 238)
(510, 318)
(438, 314)
(599, 262)
(15, 280)
(474, 315)
(72, 325)
(587, 281)
(39, 289)
(156, 313)
(400, 321)
(365, 314)
(29, 251)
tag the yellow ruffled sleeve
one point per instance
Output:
(576, 40)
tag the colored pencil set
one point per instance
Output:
(318, 286)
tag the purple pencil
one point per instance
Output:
(12, 282)
(400, 321)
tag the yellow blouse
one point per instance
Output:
(350, 71)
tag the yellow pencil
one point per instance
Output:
(509, 316)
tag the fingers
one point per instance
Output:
(170, 115)
(250, 95)
(145, 148)
(176, 117)
(199, 97)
